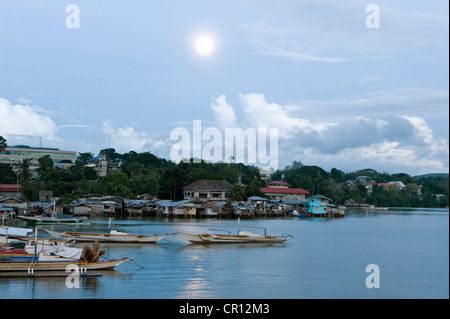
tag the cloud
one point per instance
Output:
(353, 139)
(24, 121)
(324, 31)
(127, 139)
(23, 100)
(262, 114)
(224, 113)
(299, 56)
(74, 125)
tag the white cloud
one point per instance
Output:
(23, 100)
(127, 139)
(335, 31)
(299, 56)
(320, 134)
(261, 114)
(225, 116)
(424, 132)
(23, 120)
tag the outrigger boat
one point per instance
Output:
(113, 236)
(242, 237)
(54, 219)
(62, 265)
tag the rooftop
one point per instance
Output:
(277, 190)
(208, 185)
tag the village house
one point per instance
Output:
(207, 190)
(318, 205)
(19, 206)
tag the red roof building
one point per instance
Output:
(281, 190)
(10, 190)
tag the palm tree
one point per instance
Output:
(25, 172)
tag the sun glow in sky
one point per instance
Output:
(204, 45)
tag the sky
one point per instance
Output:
(343, 84)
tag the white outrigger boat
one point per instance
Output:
(242, 237)
(114, 236)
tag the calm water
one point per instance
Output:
(327, 258)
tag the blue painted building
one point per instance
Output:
(318, 205)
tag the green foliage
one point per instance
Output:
(7, 175)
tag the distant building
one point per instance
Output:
(281, 190)
(207, 189)
(398, 185)
(101, 166)
(13, 155)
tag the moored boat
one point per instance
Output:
(61, 265)
(242, 237)
(113, 236)
(55, 219)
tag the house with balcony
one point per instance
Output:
(208, 190)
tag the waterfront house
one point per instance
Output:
(6, 212)
(81, 209)
(318, 205)
(20, 207)
(282, 190)
(207, 190)
(259, 204)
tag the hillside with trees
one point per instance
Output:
(145, 173)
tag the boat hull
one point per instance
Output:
(230, 239)
(60, 266)
(108, 238)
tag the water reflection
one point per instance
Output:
(197, 285)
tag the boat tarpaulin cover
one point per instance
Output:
(14, 231)
(70, 252)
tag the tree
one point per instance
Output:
(45, 167)
(254, 188)
(3, 144)
(67, 199)
(236, 192)
(171, 183)
(117, 184)
(25, 172)
(7, 175)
